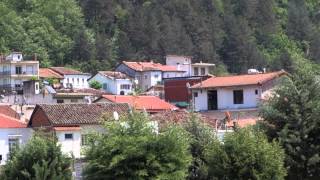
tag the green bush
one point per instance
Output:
(41, 158)
(132, 149)
(95, 85)
(246, 154)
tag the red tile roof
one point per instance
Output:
(48, 73)
(150, 66)
(239, 80)
(150, 103)
(9, 122)
(8, 111)
(113, 74)
(66, 71)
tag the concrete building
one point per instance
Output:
(13, 134)
(72, 78)
(114, 82)
(14, 70)
(72, 123)
(233, 92)
(148, 74)
(190, 69)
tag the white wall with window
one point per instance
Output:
(76, 81)
(11, 138)
(70, 142)
(229, 98)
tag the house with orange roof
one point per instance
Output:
(114, 82)
(148, 74)
(233, 92)
(13, 133)
(150, 104)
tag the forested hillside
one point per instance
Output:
(96, 34)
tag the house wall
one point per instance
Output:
(206, 68)
(73, 79)
(173, 74)
(225, 98)
(73, 146)
(70, 146)
(112, 86)
(181, 62)
(23, 134)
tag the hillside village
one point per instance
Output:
(67, 102)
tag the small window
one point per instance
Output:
(203, 71)
(82, 81)
(145, 77)
(72, 80)
(105, 86)
(68, 80)
(125, 86)
(68, 136)
(60, 101)
(13, 144)
(238, 97)
(256, 92)
(84, 139)
(156, 76)
(195, 94)
(37, 87)
(74, 100)
(18, 70)
(78, 80)
(196, 71)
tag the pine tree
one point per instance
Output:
(291, 116)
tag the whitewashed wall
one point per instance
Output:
(24, 134)
(225, 98)
(70, 146)
(75, 83)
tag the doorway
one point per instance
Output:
(212, 100)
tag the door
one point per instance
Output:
(212, 100)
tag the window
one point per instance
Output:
(156, 76)
(105, 86)
(256, 92)
(72, 80)
(60, 101)
(203, 71)
(145, 76)
(37, 87)
(238, 97)
(18, 70)
(196, 71)
(74, 100)
(125, 86)
(84, 139)
(68, 80)
(13, 144)
(82, 81)
(68, 136)
(195, 94)
(78, 81)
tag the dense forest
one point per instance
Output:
(97, 34)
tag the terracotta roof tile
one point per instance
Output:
(8, 111)
(239, 80)
(9, 122)
(113, 74)
(48, 73)
(76, 114)
(150, 66)
(66, 71)
(86, 91)
(67, 128)
(150, 103)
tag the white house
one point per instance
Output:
(72, 123)
(13, 133)
(233, 92)
(14, 70)
(72, 78)
(114, 82)
(185, 63)
(148, 74)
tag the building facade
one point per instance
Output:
(233, 92)
(114, 82)
(14, 70)
(72, 78)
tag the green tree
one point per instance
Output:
(132, 149)
(292, 118)
(246, 154)
(202, 137)
(95, 85)
(40, 158)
